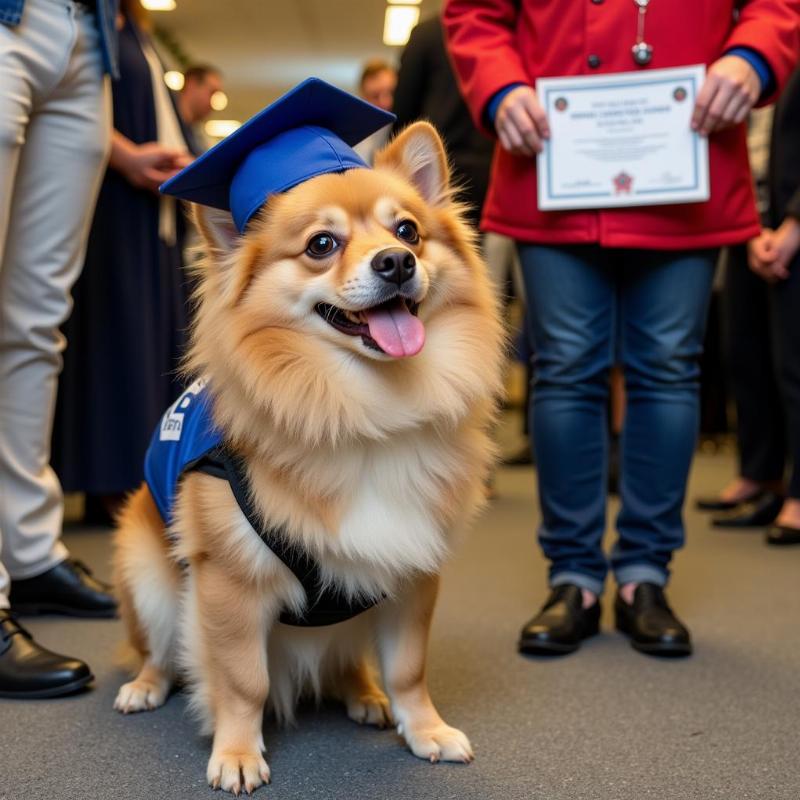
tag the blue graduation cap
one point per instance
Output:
(307, 132)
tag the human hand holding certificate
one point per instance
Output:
(622, 140)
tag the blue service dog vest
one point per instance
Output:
(187, 439)
(185, 434)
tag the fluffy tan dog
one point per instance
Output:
(363, 447)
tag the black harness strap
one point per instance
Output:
(326, 606)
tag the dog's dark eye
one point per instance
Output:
(407, 231)
(321, 245)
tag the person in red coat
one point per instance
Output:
(628, 285)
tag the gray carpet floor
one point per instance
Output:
(602, 724)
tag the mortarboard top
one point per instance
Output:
(307, 132)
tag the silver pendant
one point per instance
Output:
(642, 53)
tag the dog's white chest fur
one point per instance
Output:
(389, 523)
(388, 527)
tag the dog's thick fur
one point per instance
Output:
(371, 463)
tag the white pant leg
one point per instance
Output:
(15, 107)
(55, 128)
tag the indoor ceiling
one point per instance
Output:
(265, 47)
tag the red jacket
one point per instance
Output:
(497, 42)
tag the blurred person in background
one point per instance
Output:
(129, 324)
(378, 82)
(427, 89)
(755, 496)
(200, 83)
(54, 114)
(376, 85)
(775, 258)
(641, 275)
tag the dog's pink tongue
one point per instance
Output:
(396, 330)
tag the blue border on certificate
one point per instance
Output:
(626, 84)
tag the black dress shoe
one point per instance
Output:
(782, 534)
(562, 623)
(28, 670)
(67, 588)
(651, 624)
(754, 514)
(718, 504)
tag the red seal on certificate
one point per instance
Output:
(622, 183)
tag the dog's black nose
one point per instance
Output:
(395, 265)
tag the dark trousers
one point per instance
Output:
(763, 344)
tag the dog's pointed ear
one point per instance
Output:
(217, 228)
(418, 153)
(220, 239)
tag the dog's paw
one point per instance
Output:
(237, 771)
(441, 743)
(141, 695)
(370, 709)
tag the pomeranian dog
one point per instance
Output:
(350, 351)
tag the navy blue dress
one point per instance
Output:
(128, 327)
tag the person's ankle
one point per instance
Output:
(626, 592)
(740, 488)
(789, 515)
(589, 598)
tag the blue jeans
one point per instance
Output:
(589, 308)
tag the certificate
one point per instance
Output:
(622, 140)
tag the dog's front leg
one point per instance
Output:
(233, 619)
(403, 627)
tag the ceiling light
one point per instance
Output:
(158, 5)
(174, 80)
(219, 101)
(220, 128)
(404, 2)
(398, 24)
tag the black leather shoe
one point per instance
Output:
(651, 624)
(718, 504)
(27, 670)
(562, 623)
(68, 588)
(782, 534)
(755, 514)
